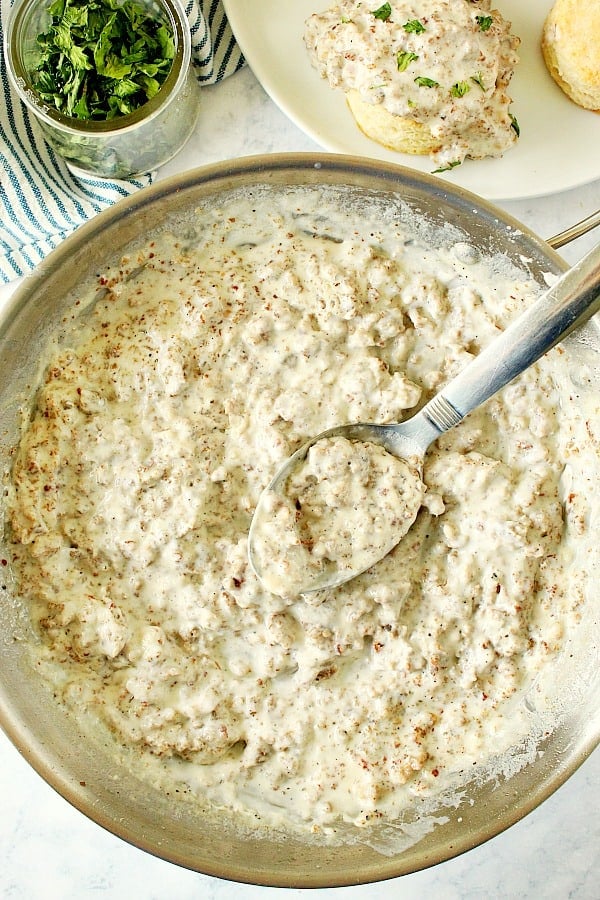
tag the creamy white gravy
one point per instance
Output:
(444, 63)
(336, 514)
(194, 367)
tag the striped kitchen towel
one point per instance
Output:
(41, 201)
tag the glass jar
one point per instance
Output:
(121, 147)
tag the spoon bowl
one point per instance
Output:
(397, 440)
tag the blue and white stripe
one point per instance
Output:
(214, 51)
(41, 201)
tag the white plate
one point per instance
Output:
(559, 144)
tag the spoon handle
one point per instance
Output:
(568, 304)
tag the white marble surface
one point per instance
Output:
(50, 851)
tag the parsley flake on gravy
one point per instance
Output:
(404, 59)
(383, 13)
(460, 89)
(484, 22)
(422, 81)
(414, 27)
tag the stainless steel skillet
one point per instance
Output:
(76, 760)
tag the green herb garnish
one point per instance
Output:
(101, 58)
(384, 12)
(426, 82)
(484, 22)
(404, 59)
(414, 26)
(478, 80)
(447, 168)
(460, 89)
(515, 125)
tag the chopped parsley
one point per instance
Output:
(404, 59)
(414, 26)
(101, 59)
(426, 82)
(460, 89)
(383, 13)
(515, 125)
(451, 165)
(477, 79)
(484, 22)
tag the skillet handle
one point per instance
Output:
(575, 231)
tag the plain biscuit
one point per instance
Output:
(571, 49)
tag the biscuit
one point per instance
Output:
(571, 49)
(398, 133)
(434, 85)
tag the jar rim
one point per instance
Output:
(20, 77)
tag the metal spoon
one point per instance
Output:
(573, 299)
